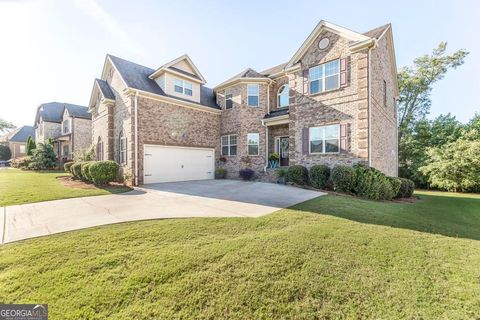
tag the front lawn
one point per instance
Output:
(19, 187)
(330, 257)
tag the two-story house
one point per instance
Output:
(333, 102)
(16, 140)
(69, 126)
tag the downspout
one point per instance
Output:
(370, 107)
(135, 103)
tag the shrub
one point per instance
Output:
(396, 184)
(281, 173)
(103, 172)
(407, 188)
(298, 174)
(76, 170)
(44, 157)
(85, 169)
(319, 175)
(274, 157)
(246, 174)
(30, 146)
(220, 173)
(21, 163)
(343, 178)
(5, 153)
(372, 184)
(84, 155)
(67, 166)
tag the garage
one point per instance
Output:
(170, 164)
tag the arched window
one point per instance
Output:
(282, 96)
(99, 148)
(122, 150)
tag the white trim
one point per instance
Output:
(257, 144)
(323, 141)
(240, 80)
(251, 95)
(183, 86)
(288, 96)
(185, 57)
(174, 101)
(324, 77)
(321, 26)
(228, 145)
(276, 120)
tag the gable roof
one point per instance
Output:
(105, 89)
(248, 75)
(76, 111)
(19, 135)
(377, 32)
(138, 77)
(53, 111)
(171, 67)
(274, 70)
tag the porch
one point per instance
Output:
(278, 139)
(63, 148)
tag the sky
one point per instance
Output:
(51, 50)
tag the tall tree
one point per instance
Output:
(415, 84)
(30, 146)
(5, 125)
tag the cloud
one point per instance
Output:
(92, 9)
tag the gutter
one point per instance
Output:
(135, 103)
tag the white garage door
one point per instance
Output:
(168, 164)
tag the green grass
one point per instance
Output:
(331, 257)
(19, 187)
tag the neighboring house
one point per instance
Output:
(16, 140)
(68, 125)
(333, 102)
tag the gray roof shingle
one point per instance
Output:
(78, 111)
(276, 113)
(53, 111)
(20, 134)
(377, 32)
(273, 70)
(137, 77)
(105, 89)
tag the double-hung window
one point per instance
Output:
(122, 149)
(252, 95)
(253, 141)
(229, 145)
(325, 139)
(283, 96)
(66, 126)
(228, 100)
(325, 77)
(183, 87)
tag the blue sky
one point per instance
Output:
(53, 49)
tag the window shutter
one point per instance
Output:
(305, 141)
(305, 81)
(343, 72)
(343, 138)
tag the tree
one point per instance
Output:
(5, 125)
(455, 166)
(5, 153)
(415, 84)
(44, 157)
(30, 146)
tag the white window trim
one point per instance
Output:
(184, 82)
(229, 145)
(323, 144)
(22, 148)
(324, 77)
(251, 95)
(278, 97)
(124, 151)
(256, 144)
(69, 126)
(227, 93)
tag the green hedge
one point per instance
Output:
(67, 166)
(343, 178)
(85, 168)
(76, 170)
(103, 172)
(407, 188)
(396, 185)
(319, 175)
(371, 183)
(298, 174)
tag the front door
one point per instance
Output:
(283, 151)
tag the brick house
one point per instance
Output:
(333, 102)
(68, 125)
(16, 140)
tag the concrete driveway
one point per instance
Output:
(209, 198)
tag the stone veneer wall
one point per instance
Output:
(383, 151)
(167, 124)
(347, 105)
(50, 130)
(242, 119)
(82, 134)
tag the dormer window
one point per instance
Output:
(66, 126)
(183, 87)
(283, 96)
